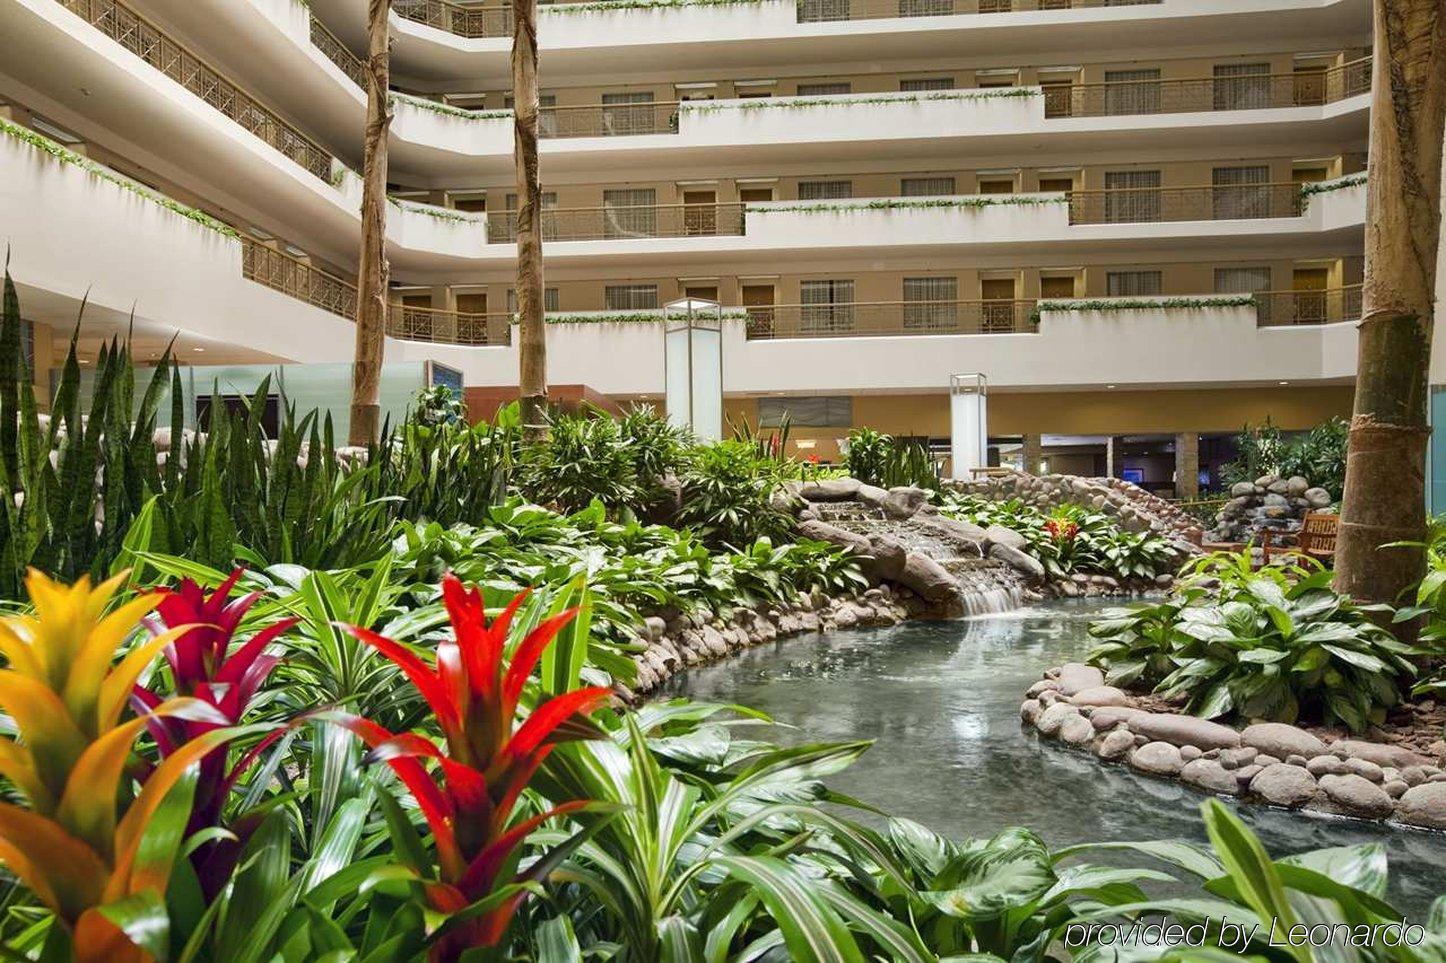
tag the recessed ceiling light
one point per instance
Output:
(198, 349)
(1282, 382)
(1111, 387)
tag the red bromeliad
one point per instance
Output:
(486, 763)
(203, 667)
(1061, 529)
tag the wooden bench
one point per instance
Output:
(1316, 539)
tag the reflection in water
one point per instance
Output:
(942, 701)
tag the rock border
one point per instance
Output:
(1268, 763)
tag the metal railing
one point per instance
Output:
(814, 11)
(148, 42)
(619, 222)
(1187, 95)
(1275, 309)
(295, 278)
(609, 120)
(462, 19)
(863, 318)
(1139, 205)
(338, 53)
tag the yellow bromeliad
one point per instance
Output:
(77, 844)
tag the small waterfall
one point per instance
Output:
(986, 585)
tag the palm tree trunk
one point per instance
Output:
(373, 272)
(532, 334)
(1385, 491)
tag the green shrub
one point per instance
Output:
(726, 490)
(879, 459)
(1318, 455)
(1276, 644)
(584, 458)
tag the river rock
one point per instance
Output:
(1379, 753)
(885, 559)
(1424, 805)
(1029, 710)
(954, 527)
(1077, 731)
(1190, 753)
(1242, 489)
(1014, 558)
(1210, 775)
(929, 580)
(904, 501)
(1100, 695)
(872, 495)
(999, 535)
(1114, 745)
(1185, 730)
(1107, 717)
(1366, 768)
(1040, 686)
(1051, 719)
(1076, 677)
(830, 490)
(824, 532)
(1395, 788)
(1158, 758)
(1326, 766)
(1357, 795)
(1281, 740)
(1317, 497)
(1284, 785)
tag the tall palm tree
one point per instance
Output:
(532, 334)
(373, 272)
(1385, 498)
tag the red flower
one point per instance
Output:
(486, 764)
(1061, 530)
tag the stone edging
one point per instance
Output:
(1270, 763)
(673, 645)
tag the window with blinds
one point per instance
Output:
(1130, 91)
(820, 11)
(824, 89)
(824, 190)
(926, 83)
(1238, 192)
(827, 305)
(1131, 284)
(931, 303)
(630, 213)
(926, 186)
(630, 297)
(631, 113)
(1132, 197)
(925, 8)
(1242, 86)
(806, 412)
(1246, 280)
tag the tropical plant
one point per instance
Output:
(94, 845)
(583, 458)
(484, 766)
(726, 495)
(879, 459)
(1318, 455)
(438, 405)
(1275, 644)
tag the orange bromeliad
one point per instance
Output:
(486, 763)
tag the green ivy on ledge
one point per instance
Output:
(1144, 304)
(769, 103)
(67, 156)
(630, 317)
(447, 110)
(897, 203)
(435, 211)
(1337, 184)
(603, 6)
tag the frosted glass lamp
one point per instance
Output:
(693, 366)
(968, 424)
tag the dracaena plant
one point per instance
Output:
(77, 843)
(482, 767)
(204, 667)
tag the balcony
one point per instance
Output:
(1215, 202)
(615, 223)
(822, 11)
(891, 319)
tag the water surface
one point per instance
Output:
(941, 699)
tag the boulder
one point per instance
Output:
(1281, 740)
(1366, 768)
(999, 535)
(1381, 755)
(1358, 795)
(872, 495)
(842, 537)
(1185, 730)
(904, 501)
(1017, 560)
(1317, 497)
(830, 490)
(1242, 489)
(1114, 745)
(1296, 486)
(1029, 710)
(1284, 785)
(1326, 766)
(1051, 720)
(1076, 677)
(954, 528)
(1107, 717)
(1424, 805)
(928, 579)
(1100, 695)
(1157, 758)
(1077, 731)
(1209, 775)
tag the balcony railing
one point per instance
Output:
(621, 222)
(1199, 94)
(1140, 205)
(816, 11)
(872, 318)
(1275, 309)
(304, 282)
(609, 120)
(463, 19)
(338, 53)
(148, 42)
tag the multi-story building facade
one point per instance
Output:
(1141, 220)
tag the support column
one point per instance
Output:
(1033, 454)
(1114, 456)
(1187, 465)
